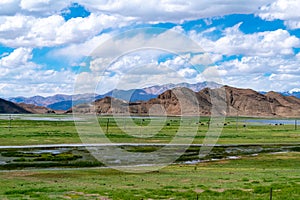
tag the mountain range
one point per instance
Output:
(148, 100)
(56, 102)
(184, 101)
(12, 108)
(65, 102)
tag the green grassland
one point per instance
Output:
(68, 176)
(246, 178)
(30, 132)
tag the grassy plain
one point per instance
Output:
(246, 178)
(250, 177)
(31, 132)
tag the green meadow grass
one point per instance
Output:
(30, 132)
(247, 178)
(251, 177)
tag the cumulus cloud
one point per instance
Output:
(136, 70)
(17, 70)
(140, 69)
(32, 7)
(262, 53)
(174, 10)
(19, 57)
(266, 59)
(75, 52)
(287, 10)
(29, 31)
(262, 73)
(235, 42)
(112, 45)
(145, 11)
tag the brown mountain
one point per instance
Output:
(11, 108)
(166, 102)
(182, 101)
(247, 102)
(106, 105)
(35, 109)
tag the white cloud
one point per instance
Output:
(43, 89)
(188, 73)
(32, 7)
(174, 10)
(138, 70)
(29, 31)
(144, 11)
(287, 10)
(20, 76)
(235, 42)
(29, 24)
(247, 65)
(9, 7)
(19, 57)
(267, 60)
(75, 52)
(113, 45)
(263, 53)
(262, 73)
(294, 90)
(43, 6)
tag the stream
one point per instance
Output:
(78, 156)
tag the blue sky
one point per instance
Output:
(48, 46)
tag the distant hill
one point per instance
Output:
(295, 94)
(62, 105)
(287, 94)
(46, 101)
(56, 102)
(66, 105)
(242, 102)
(11, 108)
(36, 109)
(7, 107)
(129, 95)
(196, 87)
(64, 102)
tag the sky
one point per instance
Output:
(52, 47)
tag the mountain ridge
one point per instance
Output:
(7, 107)
(64, 102)
(242, 102)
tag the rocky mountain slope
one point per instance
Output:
(65, 102)
(183, 101)
(11, 108)
(36, 109)
(7, 107)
